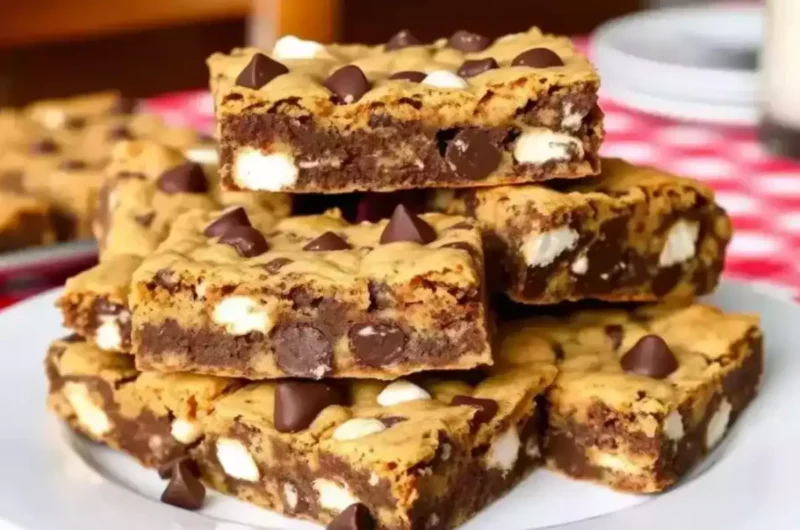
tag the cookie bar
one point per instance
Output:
(314, 297)
(642, 395)
(24, 222)
(632, 233)
(427, 453)
(153, 417)
(460, 112)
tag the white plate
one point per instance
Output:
(52, 481)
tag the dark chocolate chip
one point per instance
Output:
(651, 357)
(477, 67)
(260, 71)
(616, 334)
(327, 241)
(71, 338)
(236, 216)
(297, 403)
(354, 517)
(184, 489)
(538, 58)
(402, 39)
(277, 264)
(74, 122)
(487, 408)
(123, 106)
(348, 83)
(71, 164)
(405, 226)
(146, 219)
(469, 42)
(391, 421)
(45, 146)
(302, 350)
(120, 133)
(166, 470)
(377, 344)
(409, 75)
(186, 178)
(247, 241)
(472, 155)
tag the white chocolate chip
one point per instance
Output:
(680, 244)
(290, 47)
(203, 155)
(580, 265)
(53, 118)
(290, 495)
(401, 391)
(333, 496)
(532, 448)
(200, 290)
(718, 424)
(539, 145)
(673, 426)
(108, 335)
(572, 120)
(90, 416)
(504, 451)
(618, 463)
(258, 171)
(447, 452)
(321, 162)
(240, 315)
(357, 428)
(236, 460)
(185, 431)
(444, 79)
(374, 479)
(541, 249)
(432, 521)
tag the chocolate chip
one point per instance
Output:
(391, 421)
(348, 83)
(354, 517)
(327, 241)
(186, 178)
(402, 39)
(45, 146)
(377, 344)
(166, 470)
(487, 408)
(477, 67)
(120, 133)
(277, 264)
(260, 71)
(146, 219)
(247, 241)
(297, 403)
(538, 58)
(74, 122)
(236, 216)
(302, 350)
(123, 106)
(616, 334)
(472, 155)
(469, 42)
(71, 164)
(651, 357)
(405, 226)
(409, 75)
(71, 338)
(184, 489)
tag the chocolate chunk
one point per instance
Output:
(297, 403)
(650, 357)
(186, 178)
(260, 71)
(538, 58)
(230, 218)
(166, 470)
(354, 517)
(476, 67)
(409, 75)
(123, 106)
(45, 146)
(302, 350)
(469, 42)
(145, 219)
(487, 408)
(348, 83)
(120, 133)
(71, 164)
(472, 155)
(74, 122)
(377, 344)
(277, 264)
(327, 241)
(616, 334)
(184, 489)
(402, 39)
(247, 241)
(405, 226)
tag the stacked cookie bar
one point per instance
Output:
(403, 358)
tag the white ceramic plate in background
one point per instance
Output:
(53, 481)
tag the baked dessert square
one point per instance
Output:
(24, 222)
(632, 233)
(642, 395)
(460, 112)
(312, 297)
